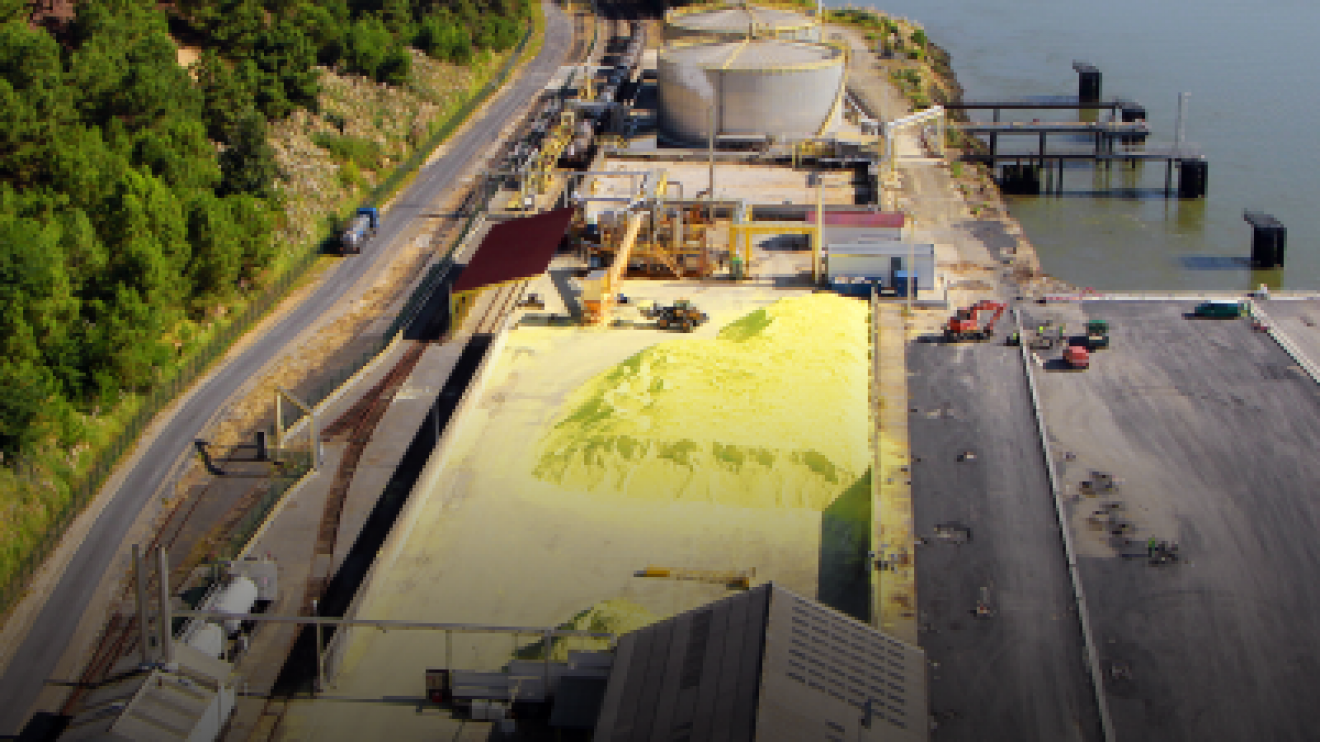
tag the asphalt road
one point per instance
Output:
(1018, 674)
(1213, 430)
(52, 631)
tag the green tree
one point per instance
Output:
(178, 152)
(217, 249)
(254, 222)
(127, 341)
(223, 94)
(287, 55)
(248, 164)
(238, 26)
(369, 44)
(397, 66)
(153, 86)
(28, 389)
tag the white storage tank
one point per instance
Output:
(760, 87)
(735, 22)
(209, 639)
(237, 597)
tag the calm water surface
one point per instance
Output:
(1253, 73)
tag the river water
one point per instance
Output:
(1253, 75)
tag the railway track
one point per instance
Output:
(121, 635)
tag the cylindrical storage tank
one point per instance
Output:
(762, 87)
(209, 639)
(237, 597)
(732, 23)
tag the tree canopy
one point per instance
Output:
(136, 194)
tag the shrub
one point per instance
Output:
(364, 154)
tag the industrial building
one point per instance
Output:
(766, 665)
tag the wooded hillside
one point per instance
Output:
(137, 196)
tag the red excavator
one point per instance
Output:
(976, 322)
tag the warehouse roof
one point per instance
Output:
(516, 249)
(764, 665)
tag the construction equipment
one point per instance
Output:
(1077, 357)
(739, 579)
(361, 228)
(1097, 334)
(1047, 336)
(976, 322)
(681, 315)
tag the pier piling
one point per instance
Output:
(1268, 236)
(1088, 81)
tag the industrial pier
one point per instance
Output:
(966, 538)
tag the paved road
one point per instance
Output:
(1017, 675)
(1213, 429)
(34, 662)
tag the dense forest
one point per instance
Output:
(138, 196)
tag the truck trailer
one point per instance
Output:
(361, 228)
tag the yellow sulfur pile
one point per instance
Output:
(618, 616)
(771, 413)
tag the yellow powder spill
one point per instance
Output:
(771, 413)
(617, 616)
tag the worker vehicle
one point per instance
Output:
(976, 322)
(681, 315)
(1077, 357)
(1220, 308)
(361, 228)
(1097, 334)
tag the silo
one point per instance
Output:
(734, 22)
(760, 87)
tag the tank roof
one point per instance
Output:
(754, 55)
(738, 19)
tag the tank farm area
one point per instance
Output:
(747, 425)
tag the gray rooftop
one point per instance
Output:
(734, 20)
(757, 54)
(764, 665)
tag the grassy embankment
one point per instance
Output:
(923, 74)
(330, 161)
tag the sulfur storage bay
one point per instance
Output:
(1251, 71)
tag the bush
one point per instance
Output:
(364, 154)
(368, 45)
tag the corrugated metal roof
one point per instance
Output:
(753, 55)
(727, 20)
(577, 703)
(763, 665)
(519, 248)
(693, 677)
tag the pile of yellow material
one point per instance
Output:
(771, 413)
(618, 616)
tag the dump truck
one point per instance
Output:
(1097, 334)
(1219, 309)
(1077, 357)
(681, 315)
(976, 322)
(361, 228)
